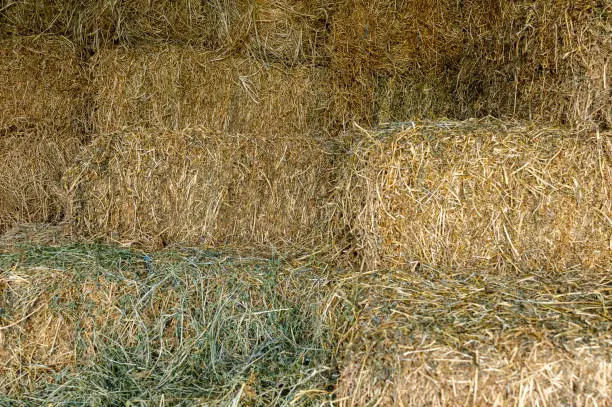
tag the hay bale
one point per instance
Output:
(32, 162)
(275, 30)
(41, 81)
(201, 187)
(178, 87)
(428, 338)
(540, 60)
(532, 60)
(42, 118)
(479, 195)
(286, 30)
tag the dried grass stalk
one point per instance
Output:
(480, 195)
(201, 187)
(178, 87)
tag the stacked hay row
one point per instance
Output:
(284, 30)
(178, 87)
(535, 60)
(42, 118)
(479, 195)
(202, 187)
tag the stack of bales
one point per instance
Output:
(211, 139)
(479, 195)
(535, 60)
(42, 121)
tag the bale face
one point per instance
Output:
(480, 195)
(541, 60)
(40, 82)
(32, 162)
(286, 31)
(201, 187)
(534, 60)
(177, 87)
(426, 337)
(41, 120)
(283, 30)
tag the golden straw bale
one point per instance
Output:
(479, 195)
(532, 60)
(201, 187)
(178, 87)
(32, 161)
(540, 60)
(429, 338)
(287, 30)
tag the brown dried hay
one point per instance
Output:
(426, 337)
(479, 195)
(201, 187)
(178, 87)
(540, 60)
(41, 81)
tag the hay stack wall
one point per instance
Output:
(42, 120)
(178, 87)
(534, 60)
(202, 187)
(479, 195)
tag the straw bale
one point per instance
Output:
(429, 338)
(50, 311)
(275, 30)
(479, 194)
(32, 162)
(533, 60)
(178, 87)
(42, 119)
(287, 30)
(40, 81)
(540, 60)
(201, 187)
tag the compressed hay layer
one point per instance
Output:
(179, 87)
(535, 60)
(479, 195)
(201, 187)
(424, 338)
(541, 60)
(277, 30)
(42, 117)
(287, 30)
